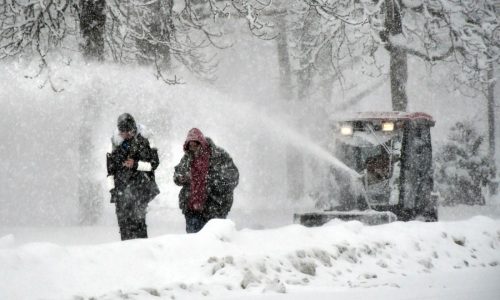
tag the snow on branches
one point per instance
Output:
(36, 26)
(466, 32)
(153, 32)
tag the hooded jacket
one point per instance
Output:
(221, 179)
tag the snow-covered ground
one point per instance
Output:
(347, 260)
(257, 255)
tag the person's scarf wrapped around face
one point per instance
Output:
(199, 170)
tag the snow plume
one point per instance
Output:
(241, 112)
(41, 186)
(221, 260)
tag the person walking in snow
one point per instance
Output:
(131, 179)
(208, 177)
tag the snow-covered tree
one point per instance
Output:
(151, 32)
(463, 168)
(463, 32)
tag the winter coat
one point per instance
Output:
(222, 179)
(137, 183)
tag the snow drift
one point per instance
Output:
(221, 260)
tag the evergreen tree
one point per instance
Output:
(463, 170)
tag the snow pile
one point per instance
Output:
(220, 260)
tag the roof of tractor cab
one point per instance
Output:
(388, 116)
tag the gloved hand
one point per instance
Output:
(131, 164)
(185, 179)
(197, 207)
(114, 195)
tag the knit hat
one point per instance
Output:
(126, 123)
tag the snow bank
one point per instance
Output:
(221, 260)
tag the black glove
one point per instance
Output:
(114, 195)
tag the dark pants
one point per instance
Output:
(194, 222)
(131, 219)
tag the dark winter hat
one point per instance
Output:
(126, 123)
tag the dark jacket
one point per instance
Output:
(222, 179)
(133, 184)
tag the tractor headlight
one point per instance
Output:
(346, 129)
(387, 126)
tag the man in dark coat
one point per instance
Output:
(131, 179)
(208, 178)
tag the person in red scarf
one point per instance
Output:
(208, 177)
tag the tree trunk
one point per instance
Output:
(399, 78)
(294, 159)
(170, 34)
(491, 123)
(326, 77)
(398, 56)
(284, 60)
(92, 25)
(491, 113)
(89, 189)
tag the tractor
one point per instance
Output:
(392, 154)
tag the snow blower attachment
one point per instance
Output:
(392, 153)
(368, 217)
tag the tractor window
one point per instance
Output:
(369, 153)
(359, 158)
(351, 156)
(378, 167)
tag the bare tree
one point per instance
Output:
(148, 32)
(433, 30)
(36, 28)
(324, 47)
(152, 32)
